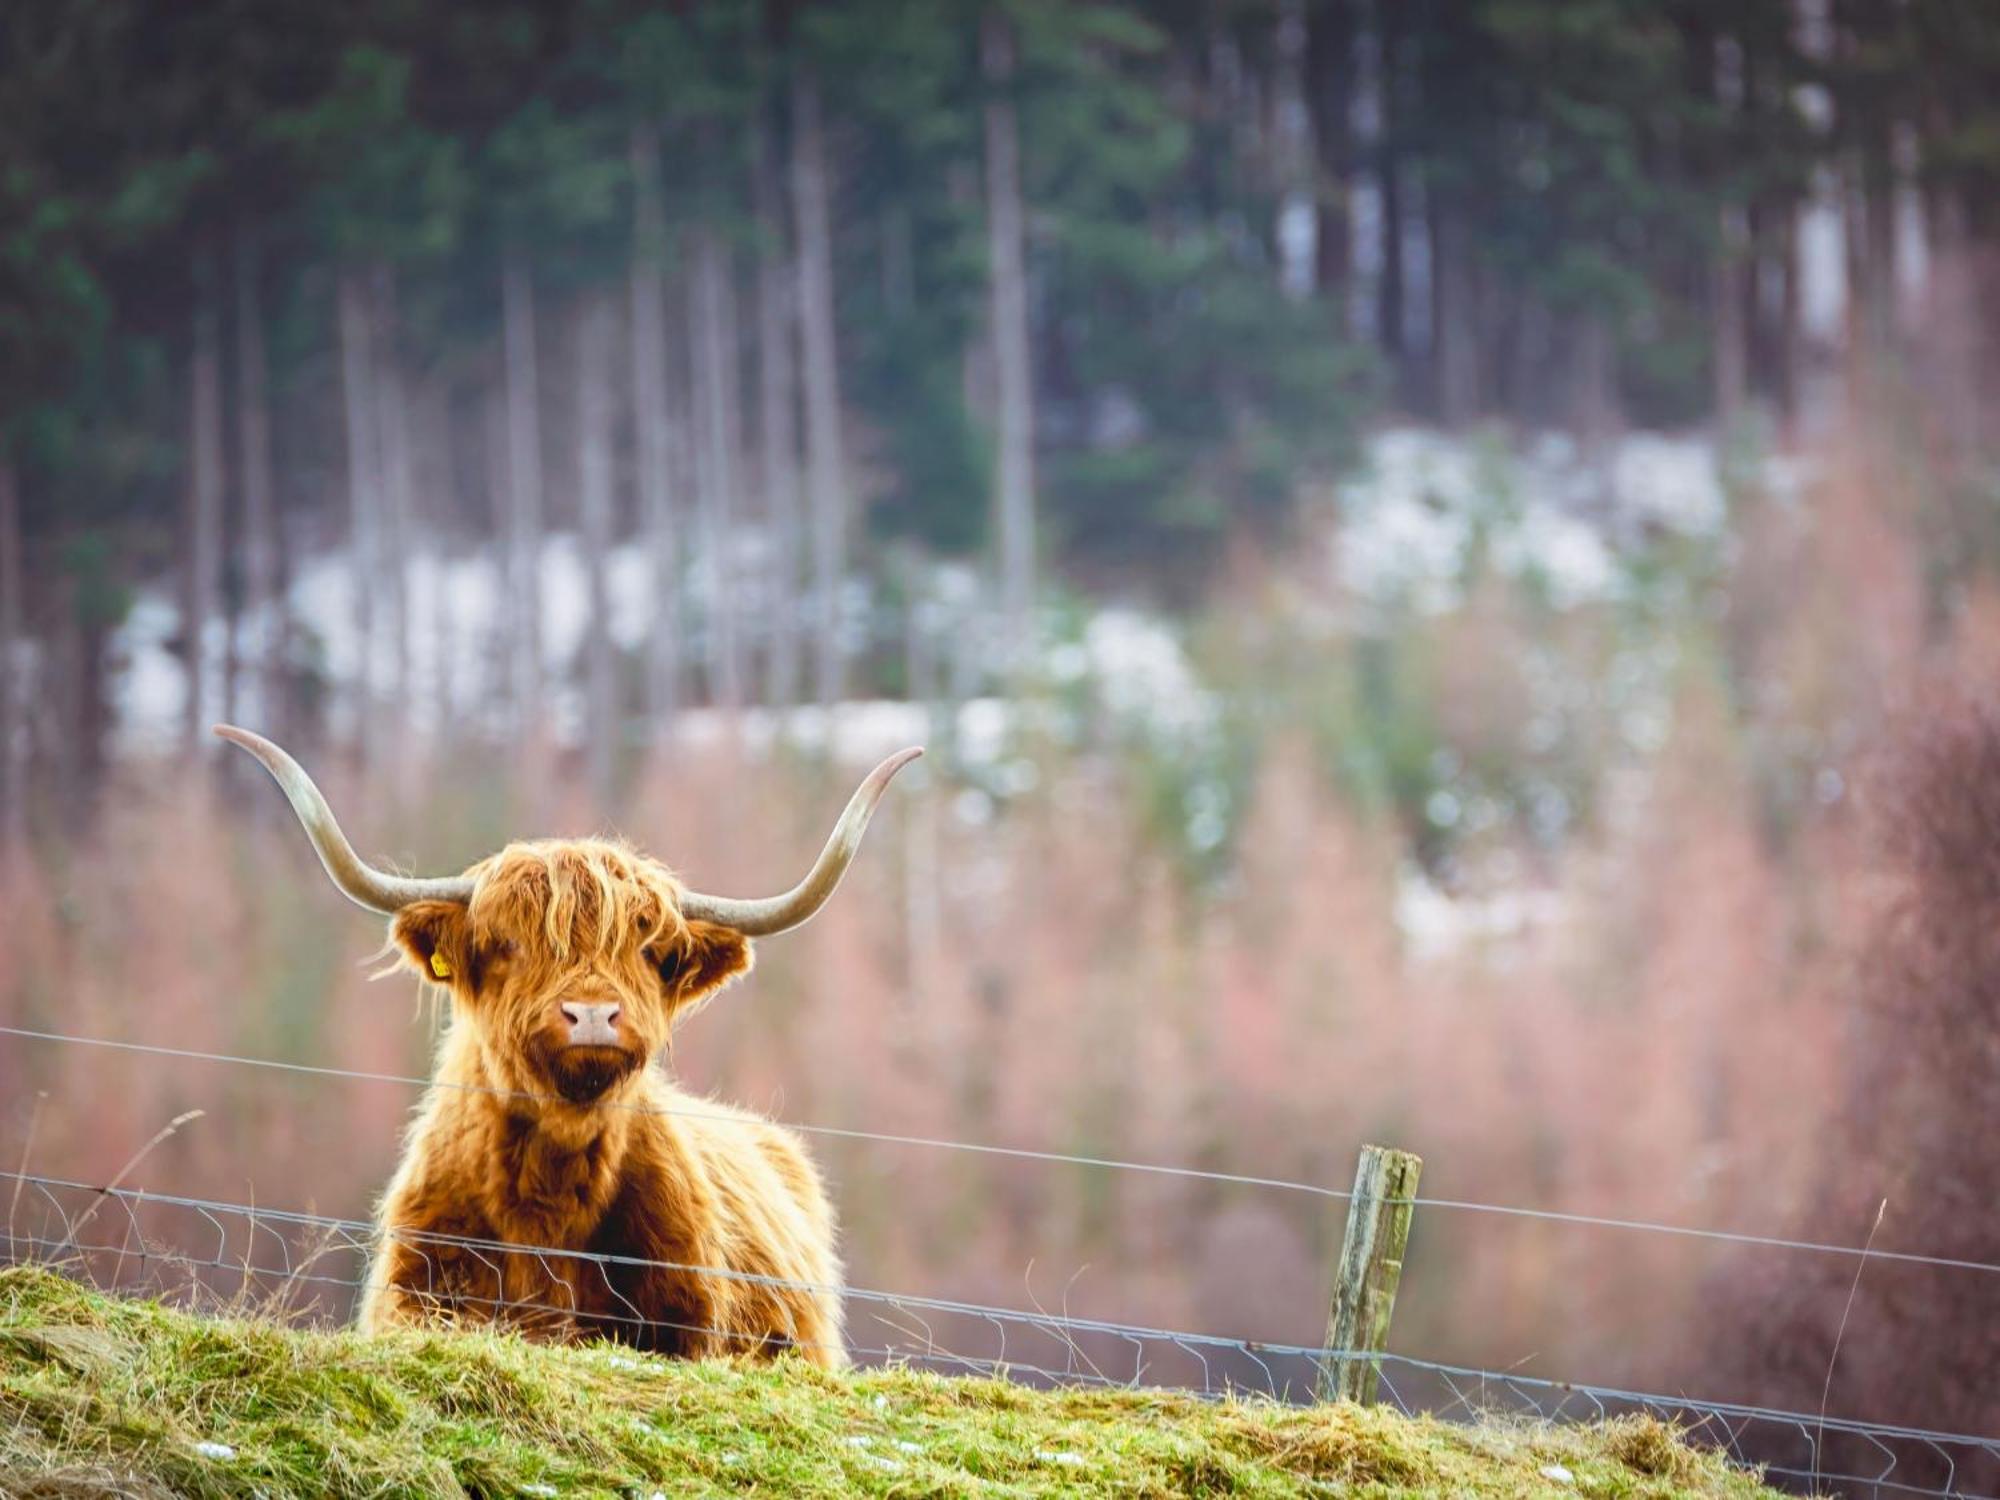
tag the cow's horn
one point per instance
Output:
(360, 882)
(777, 913)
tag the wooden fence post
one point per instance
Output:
(1371, 1264)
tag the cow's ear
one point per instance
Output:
(706, 959)
(436, 940)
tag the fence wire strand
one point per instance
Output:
(830, 1131)
(934, 1332)
(1559, 1216)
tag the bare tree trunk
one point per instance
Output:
(923, 906)
(1454, 336)
(593, 492)
(391, 572)
(1330, 101)
(1390, 86)
(826, 463)
(524, 499)
(1731, 296)
(1595, 412)
(432, 626)
(657, 437)
(1007, 270)
(13, 739)
(260, 521)
(712, 325)
(357, 367)
(1786, 353)
(202, 559)
(777, 428)
(1953, 339)
(498, 643)
(1296, 228)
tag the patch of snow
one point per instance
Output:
(1436, 924)
(1423, 500)
(1069, 1460)
(220, 1452)
(1143, 676)
(1558, 1473)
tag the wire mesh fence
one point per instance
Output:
(312, 1269)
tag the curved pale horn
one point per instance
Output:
(361, 883)
(778, 913)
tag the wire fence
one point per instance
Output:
(312, 1268)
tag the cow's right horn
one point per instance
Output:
(359, 881)
(761, 918)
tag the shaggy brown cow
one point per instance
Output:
(547, 1128)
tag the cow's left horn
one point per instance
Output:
(359, 881)
(777, 913)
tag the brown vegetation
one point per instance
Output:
(1915, 1118)
(1668, 1032)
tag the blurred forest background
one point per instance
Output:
(1447, 555)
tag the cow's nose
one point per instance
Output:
(591, 1025)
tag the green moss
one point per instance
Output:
(98, 1393)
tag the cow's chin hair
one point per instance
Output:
(584, 1075)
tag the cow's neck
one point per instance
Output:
(559, 1168)
(556, 1166)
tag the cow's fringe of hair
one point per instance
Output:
(588, 898)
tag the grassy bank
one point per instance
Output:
(101, 1394)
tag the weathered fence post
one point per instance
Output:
(1371, 1264)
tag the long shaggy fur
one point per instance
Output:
(529, 1141)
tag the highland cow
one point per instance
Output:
(627, 1208)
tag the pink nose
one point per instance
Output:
(591, 1025)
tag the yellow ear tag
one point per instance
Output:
(439, 967)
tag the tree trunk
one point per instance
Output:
(1389, 85)
(1007, 273)
(357, 378)
(202, 559)
(433, 627)
(395, 535)
(13, 737)
(1295, 231)
(923, 903)
(1863, 122)
(261, 602)
(712, 320)
(593, 492)
(1730, 301)
(524, 498)
(657, 436)
(1330, 101)
(499, 641)
(1786, 359)
(1595, 408)
(777, 428)
(1454, 333)
(826, 463)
